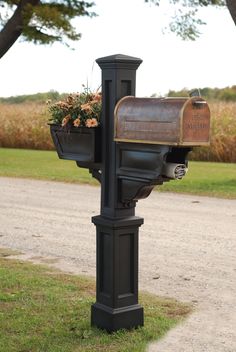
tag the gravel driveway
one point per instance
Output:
(187, 250)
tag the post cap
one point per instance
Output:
(119, 61)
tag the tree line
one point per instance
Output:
(219, 94)
(31, 98)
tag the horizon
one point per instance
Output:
(165, 94)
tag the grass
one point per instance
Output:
(203, 178)
(223, 134)
(42, 165)
(6, 252)
(25, 126)
(45, 310)
(208, 179)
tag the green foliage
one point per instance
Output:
(38, 97)
(220, 94)
(48, 21)
(191, 3)
(185, 23)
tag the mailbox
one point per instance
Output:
(152, 140)
(154, 137)
(165, 121)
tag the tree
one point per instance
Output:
(185, 23)
(42, 22)
(231, 4)
(48, 21)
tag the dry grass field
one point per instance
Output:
(223, 134)
(25, 126)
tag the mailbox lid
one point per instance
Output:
(170, 121)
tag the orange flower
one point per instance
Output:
(76, 108)
(70, 99)
(86, 107)
(91, 123)
(65, 120)
(62, 105)
(76, 122)
(97, 98)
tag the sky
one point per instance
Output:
(128, 27)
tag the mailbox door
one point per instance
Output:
(195, 121)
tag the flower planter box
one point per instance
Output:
(81, 144)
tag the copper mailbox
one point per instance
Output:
(168, 121)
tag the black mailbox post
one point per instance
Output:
(145, 142)
(117, 227)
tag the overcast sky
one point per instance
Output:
(133, 28)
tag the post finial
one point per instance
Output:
(119, 60)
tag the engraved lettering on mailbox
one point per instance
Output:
(197, 126)
(198, 117)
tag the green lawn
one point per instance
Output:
(206, 178)
(43, 310)
(44, 165)
(203, 178)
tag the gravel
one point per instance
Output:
(187, 250)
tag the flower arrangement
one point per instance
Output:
(78, 110)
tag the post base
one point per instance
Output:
(112, 320)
